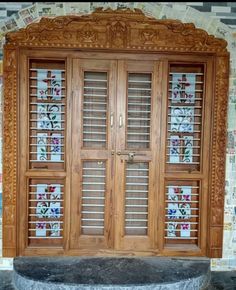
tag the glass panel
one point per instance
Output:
(182, 212)
(93, 197)
(47, 115)
(136, 198)
(139, 110)
(186, 86)
(46, 211)
(95, 104)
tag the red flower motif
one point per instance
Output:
(177, 190)
(51, 188)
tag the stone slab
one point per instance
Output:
(110, 273)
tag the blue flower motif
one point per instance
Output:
(55, 212)
(171, 213)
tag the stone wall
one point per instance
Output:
(216, 18)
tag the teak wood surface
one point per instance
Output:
(114, 41)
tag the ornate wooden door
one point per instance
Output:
(124, 145)
(115, 133)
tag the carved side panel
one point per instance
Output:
(9, 152)
(216, 206)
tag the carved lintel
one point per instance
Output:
(128, 30)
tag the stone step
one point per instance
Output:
(90, 273)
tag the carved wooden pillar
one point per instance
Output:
(10, 152)
(216, 204)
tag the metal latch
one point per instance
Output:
(130, 155)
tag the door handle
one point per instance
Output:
(120, 121)
(112, 120)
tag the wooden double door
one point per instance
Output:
(112, 162)
(116, 125)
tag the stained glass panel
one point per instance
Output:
(182, 211)
(47, 115)
(46, 211)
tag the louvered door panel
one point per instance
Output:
(47, 93)
(95, 104)
(136, 198)
(139, 110)
(93, 197)
(185, 107)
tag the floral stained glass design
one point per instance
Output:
(181, 209)
(42, 146)
(49, 116)
(183, 88)
(56, 147)
(48, 208)
(175, 149)
(185, 103)
(188, 149)
(182, 205)
(49, 84)
(41, 229)
(182, 119)
(49, 150)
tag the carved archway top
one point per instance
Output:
(120, 29)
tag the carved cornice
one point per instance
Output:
(118, 30)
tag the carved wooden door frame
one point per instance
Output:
(115, 31)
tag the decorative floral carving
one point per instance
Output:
(9, 215)
(87, 34)
(148, 35)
